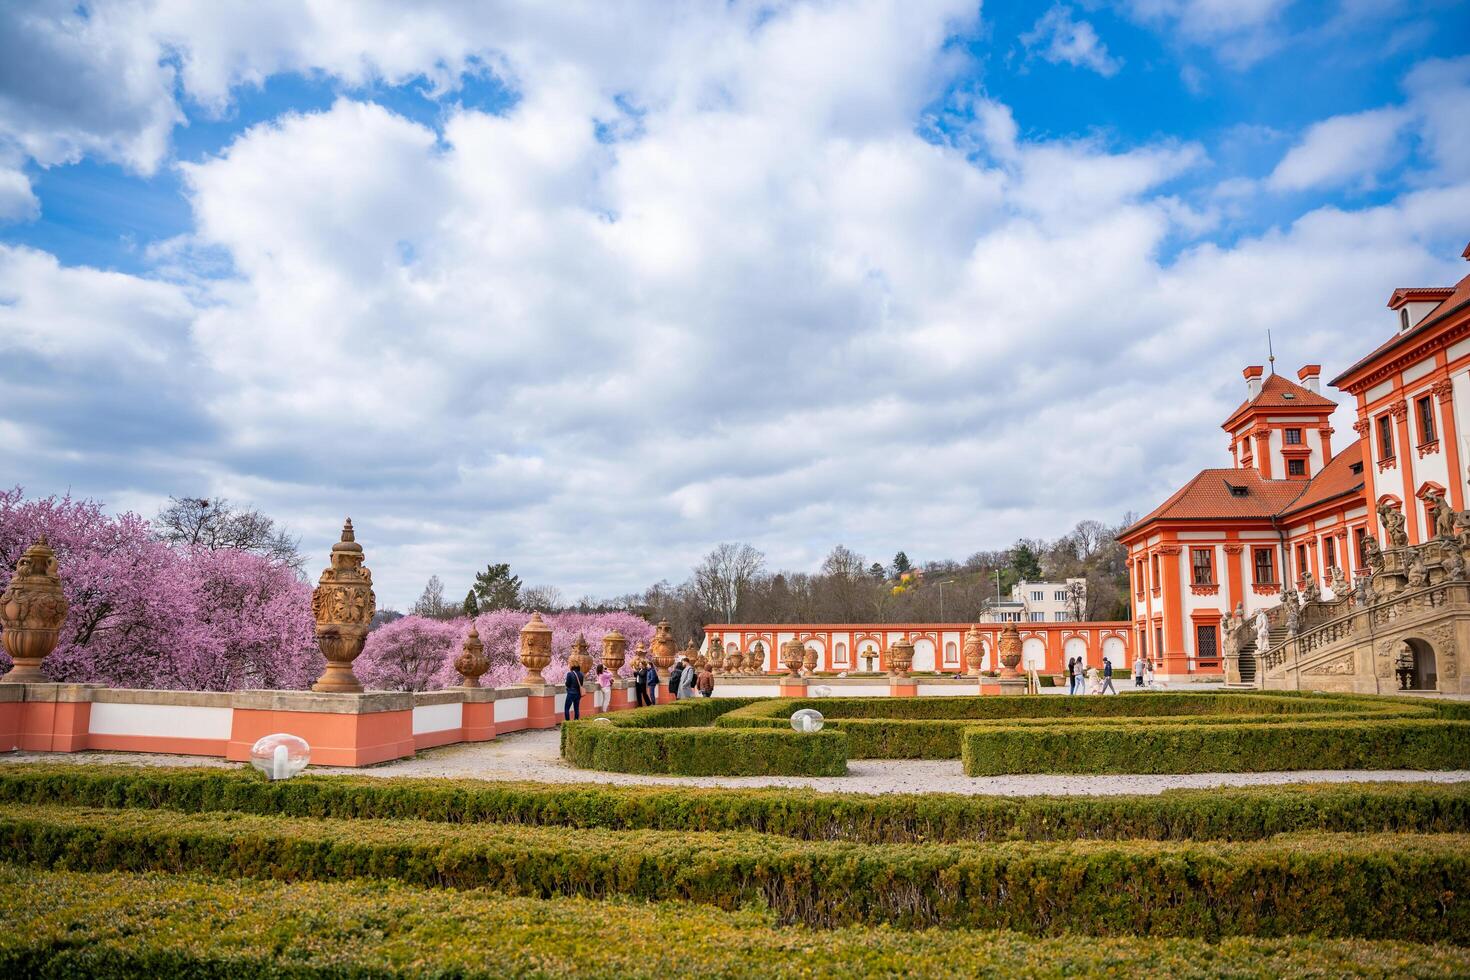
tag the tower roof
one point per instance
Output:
(1280, 394)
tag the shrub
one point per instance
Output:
(1222, 813)
(1370, 886)
(169, 926)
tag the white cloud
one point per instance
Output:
(768, 311)
(17, 202)
(1061, 40)
(1242, 32)
(1341, 150)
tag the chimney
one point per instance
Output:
(1253, 381)
(1310, 377)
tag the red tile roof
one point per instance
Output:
(1278, 392)
(1337, 479)
(1456, 298)
(1419, 294)
(1209, 496)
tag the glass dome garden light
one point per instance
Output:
(807, 720)
(820, 691)
(280, 756)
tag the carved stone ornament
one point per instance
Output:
(472, 662)
(535, 649)
(809, 662)
(900, 658)
(1010, 650)
(343, 604)
(755, 660)
(579, 656)
(1337, 666)
(692, 655)
(32, 610)
(734, 660)
(974, 651)
(661, 650)
(793, 655)
(614, 650)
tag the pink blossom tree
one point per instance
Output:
(410, 654)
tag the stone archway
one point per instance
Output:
(1415, 667)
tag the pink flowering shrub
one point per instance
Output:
(145, 615)
(417, 654)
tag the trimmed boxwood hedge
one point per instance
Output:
(1368, 885)
(1396, 743)
(107, 926)
(1243, 813)
(676, 740)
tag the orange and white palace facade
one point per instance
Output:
(1293, 511)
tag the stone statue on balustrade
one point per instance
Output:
(1418, 572)
(1393, 525)
(1443, 514)
(1234, 630)
(1372, 554)
(1340, 586)
(1311, 592)
(1454, 568)
(1292, 611)
(1263, 632)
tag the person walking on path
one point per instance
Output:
(1079, 676)
(675, 673)
(640, 687)
(1107, 681)
(574, 694)
(1139, 666)
(686, 681)
(1071, 685)
(706, 682)
(651, 682)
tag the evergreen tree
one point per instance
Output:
(902, 564)
(497, 588)
(1025, 563)
(877, 572)
(471, 605)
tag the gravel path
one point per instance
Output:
(534, 756)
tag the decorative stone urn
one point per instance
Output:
(32, 610)
(755, 660)
(900, 658)
(793, 655)
(692, 655)
(640, 656)
(579, 657)
(1010, 650)
(974, 651)
(614, 650)
(809, 662)
(535, 649)
(734, 661)
(472, 662)
(661, 650)
(343, 604)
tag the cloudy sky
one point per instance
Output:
(591, 287)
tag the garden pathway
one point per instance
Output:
(534, 755)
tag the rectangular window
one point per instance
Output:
(1061, 617)
(1038, 596)
(1361, 537)
(1301, 560)
(1265, 566)
(1059, 595)
(1038, 617)
(1293, 437)
(1296, 467)
(1329, 552)
(1158, 641)
(1203, 561)
(1424, 408)
(1206, 646)
(1385, 437)
(1154, 563)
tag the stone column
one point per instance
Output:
(32, 611)
(343, 604)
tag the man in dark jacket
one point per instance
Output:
(640, 687)
(651, 682)
(1107, 684)
(574, 694)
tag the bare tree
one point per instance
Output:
(1087, 537)
(725, 574)
(545, 598)
(431, 601)
(216, 524)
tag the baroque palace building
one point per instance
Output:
(1289, 513)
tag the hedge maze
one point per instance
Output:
(1142, 733)
(122, 871)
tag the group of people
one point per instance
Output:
(1082, 679)
(577, 682)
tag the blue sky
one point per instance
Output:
(590, 289)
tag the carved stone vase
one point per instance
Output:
(472, 662)
(1010, 650)
(640, 656)
(974, 651)
(579, 657)
(614, 650)
(32, 611)
(793, 655)
(535, 649)
(734, 661)
(343, 604)
(809, 662)
(661, 650)
(755, 661)
(900, 658)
